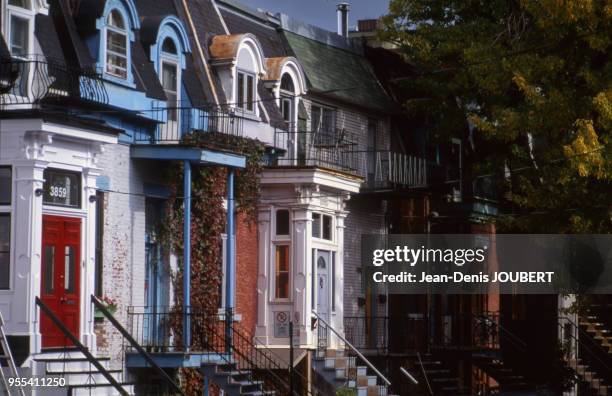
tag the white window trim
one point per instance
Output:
(125, 33)
(244, 109)
(23, 13)
(174, 61)
(273, 298)
(333, 222)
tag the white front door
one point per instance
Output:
(322, 284)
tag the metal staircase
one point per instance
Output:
(346, 367)
(588, 354)
(6, 359)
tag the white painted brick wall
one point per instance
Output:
(124, 241)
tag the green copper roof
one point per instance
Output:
(338, 73)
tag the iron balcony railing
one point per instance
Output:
(330, 149)
(177, 123)
(37, 81)
(386, 169)
(339, 150)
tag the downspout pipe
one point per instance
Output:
(230, 274)
(187, 255)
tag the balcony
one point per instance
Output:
(36, 81)
(210, 125)
(385, 170)
(334, 150)
(338, 150)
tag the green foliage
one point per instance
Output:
(346, 392)
(208, 220)
(520, 71)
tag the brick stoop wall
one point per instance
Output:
(246, 272)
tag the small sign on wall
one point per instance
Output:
(281, 324)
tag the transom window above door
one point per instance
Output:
(322, 226)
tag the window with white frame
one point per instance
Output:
(322, 226)
(170, 76)
(281, 272)
(116, 45)
(287, 92)
(5, 226)
(245, 95)
(20, 28)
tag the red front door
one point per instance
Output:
(60, 282)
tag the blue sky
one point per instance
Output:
(322, 12)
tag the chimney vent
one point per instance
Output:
(343, 9)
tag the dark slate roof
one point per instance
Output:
(339, 74)
(193, 85)
(269, 104)
(87, 11)
(269, 37)
(207, 24)
(75, 49)
(48, 39)
(145, 77)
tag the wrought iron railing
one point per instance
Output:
(353, 356)
(583, 354)
(333, 149)
(376, 335)
(36, 80)
(175, 124)
(158, 329)
(386, 169)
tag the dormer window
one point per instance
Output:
(170, 76)
(20, 18)
(116, 45)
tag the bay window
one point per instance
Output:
(20, 19)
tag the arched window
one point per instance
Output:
(20, 27)
(287, 101)
(169, 47)
(116, 45)
(287, 83)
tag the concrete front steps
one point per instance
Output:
(341, 371)
(82, 377)
(590, 378)
(233, 381)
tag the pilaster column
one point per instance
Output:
(338, 317)
(27, 241)
(301, 259)
(263, 330)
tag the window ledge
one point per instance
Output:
(248, 116)
(119, 81)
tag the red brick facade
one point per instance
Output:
(246, 273)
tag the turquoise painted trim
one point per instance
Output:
(172, 153)
(127, 6)
(171, 27)
(175, 360)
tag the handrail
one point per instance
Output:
(81, 347)
(409, 376)
(134, 344)
(424, 374)
(359, 354)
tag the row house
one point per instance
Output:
(99, 100)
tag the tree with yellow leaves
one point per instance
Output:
(532, 82)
